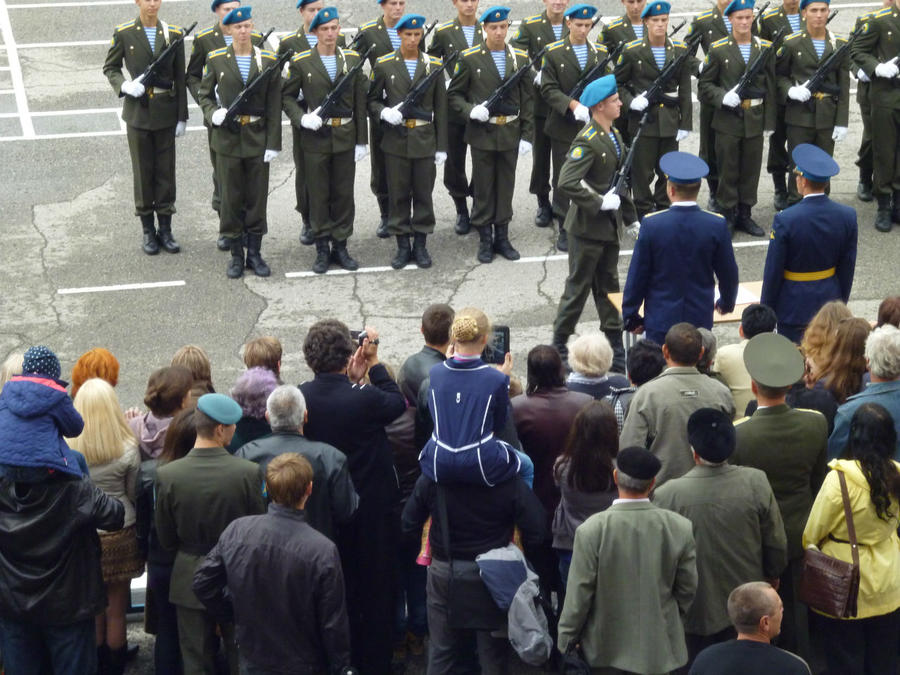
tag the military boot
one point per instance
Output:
(166, 240)
(502, 244)
(895, 211)
(342, 257)
(544, 215)
(615, 341)
(150, 246)
(883, 222)
(223, 244)
(485, 244)
(323, 255)
(420, 252)
(382, 231)
(730, 218)
(403, 254)
(235, 268)
(463, 224)
(562, 240)
(306, 235)
(864, 187)
(779, 181)
(255, 260)
(712, 204)
(559, 342)
(746, 223)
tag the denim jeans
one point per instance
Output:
(70, 649)
(166, 650)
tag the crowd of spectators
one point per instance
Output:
(357, 518)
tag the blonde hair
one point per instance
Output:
(287, 478)
(263, 352)
(106, 433)
(470, 325)
(820, 333)
(591, 355)
(195, 360)
(12, 366)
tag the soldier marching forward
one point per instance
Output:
(245, 147)
(414, 142)
(155, 113)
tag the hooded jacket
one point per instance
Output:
(151, 433)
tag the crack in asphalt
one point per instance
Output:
(463, 279)
(544, 273)
(356, 296)
(45, 273)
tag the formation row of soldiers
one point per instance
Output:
(760, 75)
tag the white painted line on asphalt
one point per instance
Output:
(15, 69)
(86, 3)
(335, 273)
(121, 287)
(7, 92)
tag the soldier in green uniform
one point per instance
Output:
(333, 140)
(877, 51)
(564, 65)
(214, 37)
(622, 30)
(788, 17)
(712, 25)
(535, 33)
(155, 113)
(455, 36)
(496, 139)
(594, 219)
(300, 41)
(670, 120)
(243, 150)
(739, 121)
(413, 143)
(382, 35)
(818, 118)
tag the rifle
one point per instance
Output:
(329, 105)
(266, 35)
(754, 68)
(409, 106)
(833, 14)
(760, 11)
(240, 104)
(595, 22)
(495, 104)
(620, 177)
(656, 92)
(677, 28)
(428, 30)
(150, 77)
(817, 81)
(596, 70)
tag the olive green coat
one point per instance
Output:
(204, 42)
(535, 33)
(880, 42)
(560, 72)
(449, 38)
(299, 43)
(797, 62)
(615, 32)
(711, 27)
(773, 20)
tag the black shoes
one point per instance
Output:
(562, 241)
(544, 215)
(150, 244)
(883, 220)
(419, 252)
(485, 244)
(306, 235)
(746, 223)
(235, 269)
(255, 261)
(779, 181)
(402, 256)
(166, 240)
(382, 231)
(864, 191)
(223, 244)
(323, 255)
(502, 245)
(463, 225)
(342, 257)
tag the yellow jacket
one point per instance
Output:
(879, 545)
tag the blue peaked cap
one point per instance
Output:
(814, 164)
(683, 167)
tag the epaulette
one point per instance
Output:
(256, 34)
(178, 30)
(589, 133)
(302, 55)
(520, 52)
(810, 410)
(633, 44)
(471, 50)
(867, 15)
(435, 61)
(841, 38)
(887, 11)
(204, 33)
(793, 36)
(446, 24)
(387, 57)
(616, 22)
(740, 421)
(533, 19)
(720, 43)
(125, 26)
(655, 213)
(369, 24)
(679, 43)
(217, 52)
(704, 15)
(267, 54)
(600, 47)
(765, 43)
(771, 12)
(713, 213)
(555, 45)
(349, 52)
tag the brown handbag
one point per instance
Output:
(827, 584)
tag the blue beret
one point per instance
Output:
(814, 164)
(324, 15)
(638, 462)
(220, 407)
(237, 15)
(683, 167)
(39, 360)
(805, 3)
(581, 11)
(216, 3)
(495, 14)
(711, 434)
(736, 5)
(302, 3)
(656, 9)
(598, 90)
(410, 21)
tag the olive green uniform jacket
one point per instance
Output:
(797, 62)
(617, 31)
(880, 42)
(204, 42)
(449, 38)
(535, 33)
(560, 73)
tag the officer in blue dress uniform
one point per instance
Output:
(812, 252)
(676, 256)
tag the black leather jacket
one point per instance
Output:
(50, 551)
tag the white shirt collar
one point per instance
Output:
(620, 500)
(684, 203)
(815, 194)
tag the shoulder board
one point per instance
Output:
(679, 43)
(704, 15)
(369, 24)
(810, 410)
(840, 38)
(555, 45)
(387, 57)
(741, 421)
(765, 43)
(217, 52)
(204, 33)
(655, 213)
(633, 44)
(471, 50)
(533, 19)
(302, 55)
(349, 52)
(123, 26)
(176, 29)
(589, 133)
(616, 22)
(771, 12)
(887, 11)
(446, 24)
(600, 47)
(435, 61)
(867, 15)
(721, 43)
(520, 52)
(256, 34)
(713, 213)
(793, 36)
(266, 54)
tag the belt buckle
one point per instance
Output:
(819, 95)
(745, 104)
(335, 121)
(244, 120)
(409, 124)
(501, 119)
(150, 92)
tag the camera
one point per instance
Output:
(358, 336)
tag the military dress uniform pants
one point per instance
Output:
(594, 269)
(329, 183)
(244, 186)
(646, 165)
(300, 189)
(410, 188)
(199, 642)
(494, 180)
(216, 198)
(455, 167)
(864, 156)
(153, 169)
(708, 142)
(885, 158)
(540, 160)
(558, 151)
(739, 160)
(378, 182)
(779, 159)
(797, 135)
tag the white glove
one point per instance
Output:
(839, 134)
(639, 103)
(537, 79)
(700, 67)
(179, 129)
(133, 88)
(768, 133)
(524, 147)
(731, 99)
(311, 121)
(440, 157)
(799, 93)
(392, 116)
(611, 201)
(633, 230)
(218, 116)
(300, 96)
(480, 113)
(681, 135)
(861, 76)
(269, 155)
(581, 113)
(360, 152)
(887, 70)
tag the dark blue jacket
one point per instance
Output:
(814, 235)
(672, 270)
(35, 413)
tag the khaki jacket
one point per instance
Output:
(449, 37)
(204, 42)
(880, 42)
(535, 33)
(797, 62)
(560, 72)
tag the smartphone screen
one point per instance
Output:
(497, 347)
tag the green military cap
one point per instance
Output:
(773, 361)
(219, 407)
